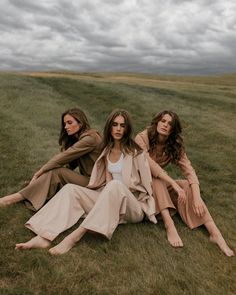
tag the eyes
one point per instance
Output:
(168, 122)
(115, 124)
(68, 122)
(71, 122)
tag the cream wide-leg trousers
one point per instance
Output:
(103, 210)
(46, 186)
(165, 197)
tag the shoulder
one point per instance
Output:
(142, 135)
(139, 156)
(142, 139)
(91, 136)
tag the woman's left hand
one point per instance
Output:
(180, 192)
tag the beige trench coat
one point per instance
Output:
(104, 204)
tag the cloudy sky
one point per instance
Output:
(152, 36)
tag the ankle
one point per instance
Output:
(169, 225)
(70, 241)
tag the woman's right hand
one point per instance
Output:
(181, 193)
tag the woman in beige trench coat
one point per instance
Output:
(163, 143)
(80, 148)
(119, 191)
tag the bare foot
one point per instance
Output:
(219, 240)
(63, 247)
(11, 199)
(36, 242)
(2, 203)
(173, 237)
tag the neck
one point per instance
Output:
(162, 138)
(117, 145)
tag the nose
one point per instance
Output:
(118, 127)
(165, 124)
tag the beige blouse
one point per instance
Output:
(158, 160)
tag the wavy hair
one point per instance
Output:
(128, 145)
(66, 140)
(174, 144)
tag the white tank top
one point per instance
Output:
(116, 168)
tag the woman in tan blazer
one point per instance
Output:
(163, 144)
(79, 148)
(119, 191)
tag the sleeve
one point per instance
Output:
(188, 170)
(85, 145)
(156, 169)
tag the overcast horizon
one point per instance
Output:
(143, 36)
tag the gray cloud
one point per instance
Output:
(165, 36)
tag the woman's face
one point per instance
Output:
(71, 124)
(164, 126)
(118, 128)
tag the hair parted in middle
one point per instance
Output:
(174, 144)
(128, 145)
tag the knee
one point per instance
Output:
(56, 171)
(69, 188)
(113, 188)
(114, 184)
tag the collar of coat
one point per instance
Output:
(136, 173)
(98, 176)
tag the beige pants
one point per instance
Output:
(166, 197)
(45, 187)
(103, 210)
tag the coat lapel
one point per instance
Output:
(127, 169)
(98, 175)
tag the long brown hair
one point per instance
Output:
(65, 140)
(174, 144)
(128, 145)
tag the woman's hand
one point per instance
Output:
(35, 176)
(181, 193)
(198, 206)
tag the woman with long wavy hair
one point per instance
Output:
(79, 148)
(119, 191)
(163, 143)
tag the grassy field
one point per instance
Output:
(138, 259)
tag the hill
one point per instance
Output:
(138, 259)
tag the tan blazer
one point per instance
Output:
(136, 175)
(85, 151)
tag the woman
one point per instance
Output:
(79, 147)
(119, 191)
(163, 143)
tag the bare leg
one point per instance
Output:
(65, 245)
(36, 242)
(217, 238)
(172, 234)
(11, 199)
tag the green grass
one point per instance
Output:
(138, 259)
